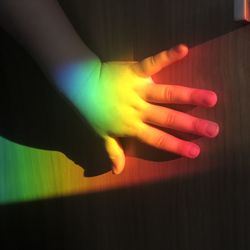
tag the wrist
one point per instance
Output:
(75, 80)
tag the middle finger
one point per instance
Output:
(173, 119)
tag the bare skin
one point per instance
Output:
(117, 98)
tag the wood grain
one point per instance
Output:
(160, 201)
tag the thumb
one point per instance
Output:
(153, 64)
(116, 154)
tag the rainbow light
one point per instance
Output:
(28, 174)
(87, 88)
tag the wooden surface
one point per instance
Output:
(160, 201)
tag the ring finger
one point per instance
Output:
(165, 117)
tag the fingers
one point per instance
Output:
(116, 154)
(173, 119)
(160, 93)
(164, 141)
(154, 64)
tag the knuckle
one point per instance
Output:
(130, 130)
(161, 141)
(197, 125)
(135, 130)
(152, 60)
(165, 56)
(168, 95)
(170, 119)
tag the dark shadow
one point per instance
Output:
(115, 28)
(32, 113)
(171, 22)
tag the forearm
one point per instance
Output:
(42, 27)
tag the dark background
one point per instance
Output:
(205, 209)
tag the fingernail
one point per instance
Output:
(178, 48)
(181, 48)
(114, 171)
(212, 129)
(210, 99)
(194, 151)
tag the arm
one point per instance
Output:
(42, 27)
(118, 99)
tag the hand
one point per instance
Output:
(120, 99)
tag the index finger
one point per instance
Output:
(161, 93)
(153, 64)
